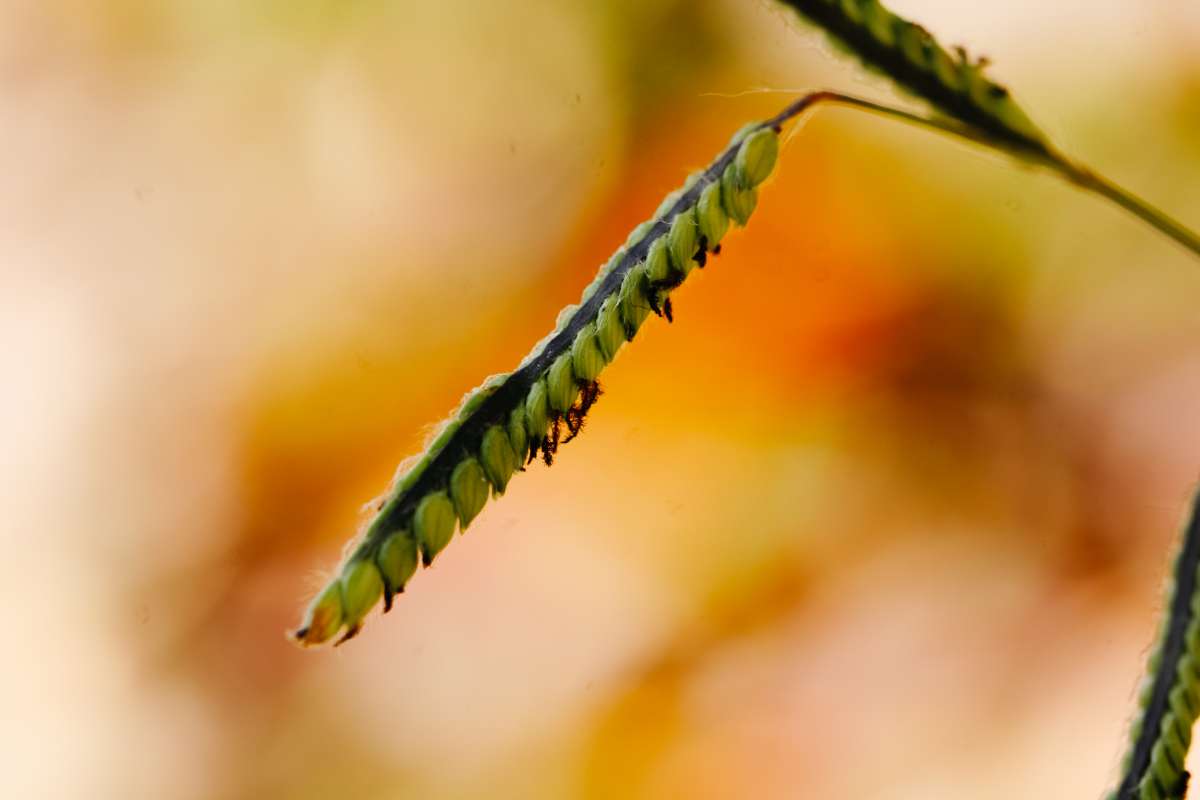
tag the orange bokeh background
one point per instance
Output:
(885, 513)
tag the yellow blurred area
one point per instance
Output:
(885, 513)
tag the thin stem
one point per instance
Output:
(839, 98)
(1073, 173)
(1086, 179)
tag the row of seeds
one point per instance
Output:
(868, 29)
(369, 576)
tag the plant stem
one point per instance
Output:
(1079, 176)
(1164, 223)
(839, 98)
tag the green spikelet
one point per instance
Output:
(681, 242)
(517, 437)
(324, 617)
(496, 455)
(744, 131)
(537, 411)
(635, 304)
(610, 330)
(658, 262)
(397, 562)
(756, 157)
(433, 523)
(739, 201)
(362, 586)
(711, 217)
(561, 383)
(586, 358)
(468, 490)
(914, 60)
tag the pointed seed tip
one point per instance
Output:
(350, 633)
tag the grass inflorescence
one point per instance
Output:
(515, 417)
(969, 103)
(915, 61)
(1169, 701)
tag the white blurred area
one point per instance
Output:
(249, 251)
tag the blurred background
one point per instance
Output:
(885, 513)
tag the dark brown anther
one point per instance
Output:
(663, 307)
(667, 312)
(550, 443)
(574, 423)
(701, 256)
(350, 633)
(575, 416)
(716, 251)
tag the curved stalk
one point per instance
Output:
(1075, 174)
(1098, 184)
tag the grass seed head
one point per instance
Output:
(917, 63)
(515, 416)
